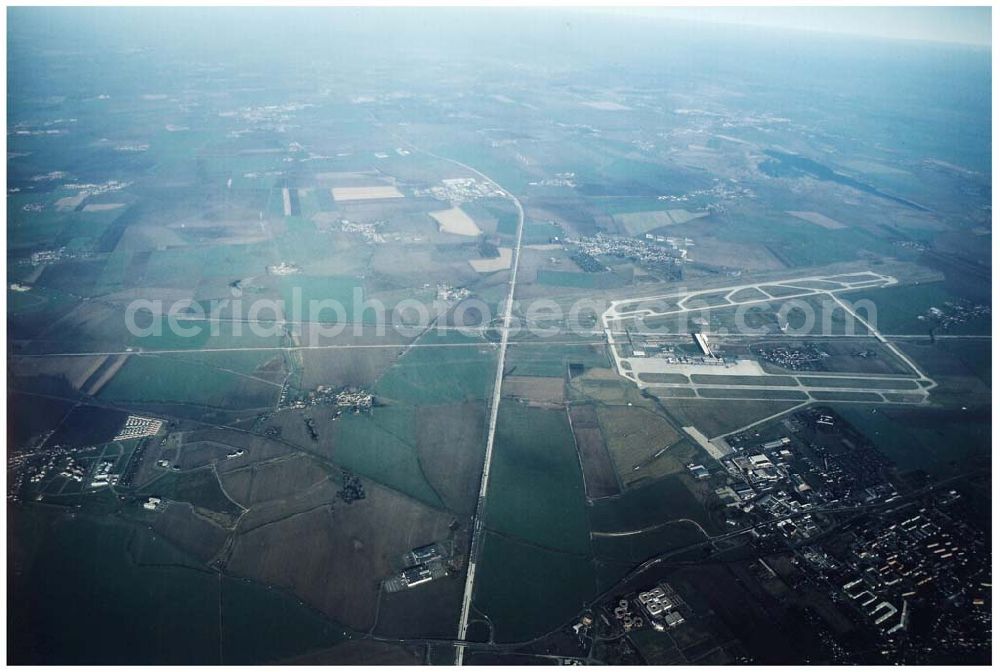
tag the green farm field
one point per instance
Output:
(536, 486)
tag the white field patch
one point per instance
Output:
(500, 263)
(365, 193)
(456, 221)
(70, 202)
(606, 105)
(287, 201)
(341, 175)
(732, 139)
(817, 219)
(102, 207)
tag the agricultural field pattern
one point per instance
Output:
(399, 336)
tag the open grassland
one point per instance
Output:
(598, 470)
(634, 549)
(671, 498)
(899, 308)
(954, 364)
(732, 594)
(818, 219)
(87, 425)
(430, 610)
(31, 313)
(35, 415)
(580, 280)
(334, 559)
(941, 442)
(526, 590)
(331, 300)
(810, 315)
(191, 455)
(193, 532)
(461, 369)
(352, 360)
(318, 495)
(361, 652)
(290, 424)
(318, 253)
(450, 442)
(69, 613)
(264, 365)
(536, 489)
(786, 238)
(540, 233)
(120, 570)
(544, 359)
(292, 629)
(382, 446)
(708, 379)
(536, 389)
(746, 393)
(655, 377)
(779, 291)
(200, 488)
(676, 393)
(209, 445)
(706, 299)
(722, 251)
(264, 481)
(204, 334)
(715, 417)
(148, 378)
(636, 438)
(860, 383)
(830, 395)
(606, 386)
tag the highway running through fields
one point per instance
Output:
(477, 520)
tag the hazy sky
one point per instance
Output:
(968, 25)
